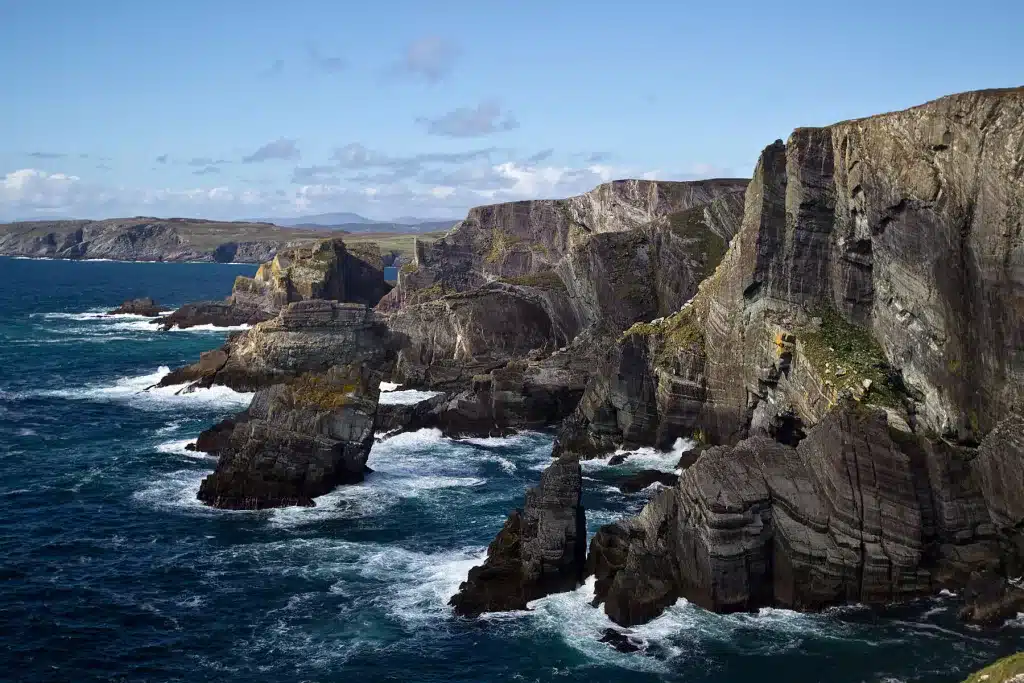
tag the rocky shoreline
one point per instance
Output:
(843, 335)
(177, 240)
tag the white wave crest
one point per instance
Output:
(137, 392)
(406, 397)
(646, 458)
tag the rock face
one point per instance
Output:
(151, 239)
(880, 256)
(513, 310)
(326, 270)
(305, 337)
(316, 369)
(301, 439)
(862, 510)
(145, 307)
(539, 551)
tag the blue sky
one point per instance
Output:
(231, 109)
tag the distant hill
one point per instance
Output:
(321, 219)
(353, 222)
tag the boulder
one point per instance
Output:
(540, 550)
(144, 306)
(989, 600)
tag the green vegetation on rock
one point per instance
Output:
(319, 391)
(1006, 670)
(501, 243)
(690, 225)
(847, 355)
(672, 335)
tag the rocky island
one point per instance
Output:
(843, 335)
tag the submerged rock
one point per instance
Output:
(144, 306)
(539, 551)
(618, 640)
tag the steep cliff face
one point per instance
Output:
(520, 238)
(901, 233)
(869, 314)
(151, 239)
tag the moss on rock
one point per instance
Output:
(848, 356)
(1006, 670)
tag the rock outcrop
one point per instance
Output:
(326, 270)
(305, 337)
(512, 314)
(316, 369)
(152, 239)
(300, 440)
(862, 510)
(539, 551)
(144, 306)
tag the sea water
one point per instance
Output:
(110, 569)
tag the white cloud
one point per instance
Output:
(432, 191)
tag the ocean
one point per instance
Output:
(110, 570)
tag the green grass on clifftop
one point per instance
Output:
(1006, 670)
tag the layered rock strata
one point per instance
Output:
(540, 550)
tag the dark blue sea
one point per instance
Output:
(110, 570)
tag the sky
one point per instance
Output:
(234, 109)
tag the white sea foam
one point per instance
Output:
(388, 386)
(179, 448)
(136, 391)
(406, 397)
(646, 458)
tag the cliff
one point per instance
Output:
(861, 346)
(516, 306)
(152, 239)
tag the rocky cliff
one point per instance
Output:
(329, 270)
(861, 345)
(151, 239)
(316, 369)
(882, 255)
(516, 306)
(540, 550)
